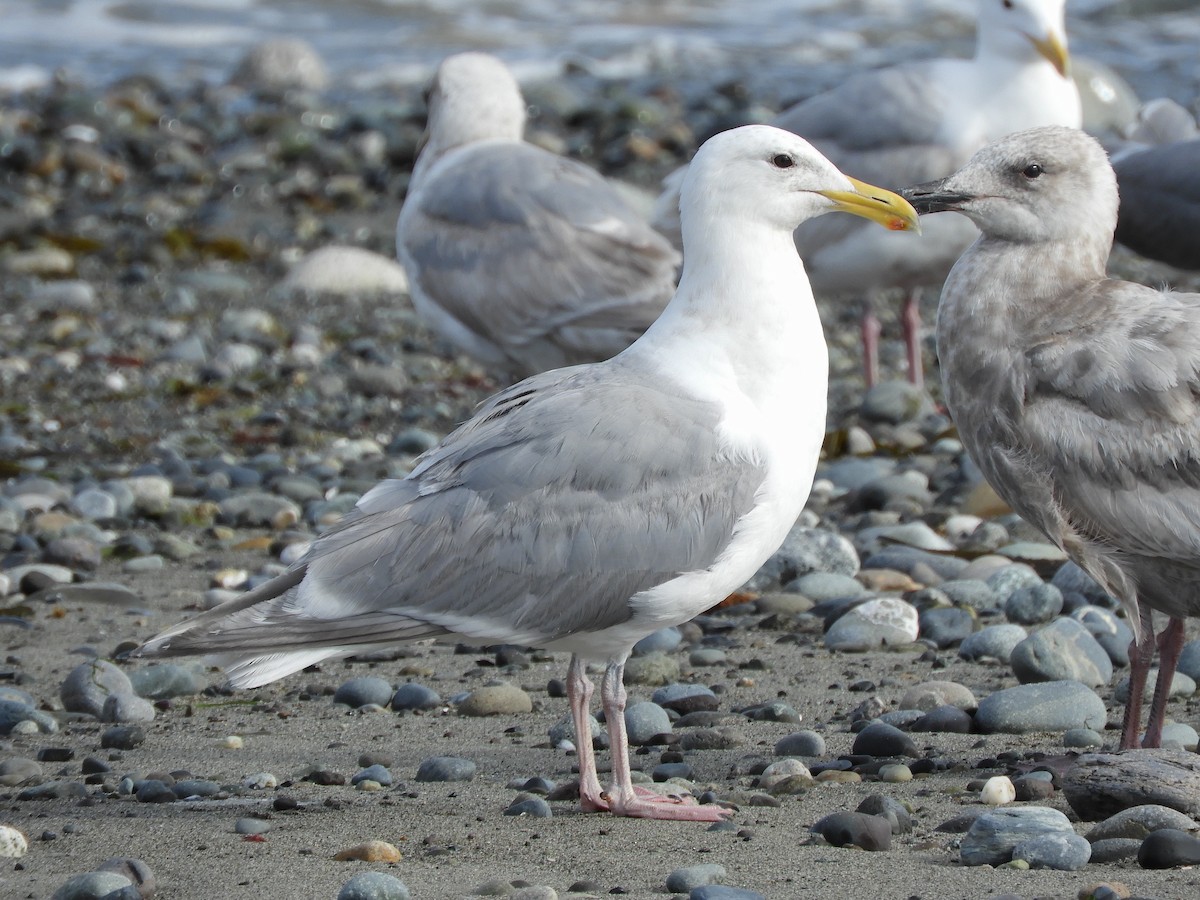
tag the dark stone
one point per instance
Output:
(123, 737)
(1169, 848)
(888, 808)
(154, 791)
(1099, 785)
(944, 719)
(880, 739)
(842, 829)
(946, 627)
(1030, 787)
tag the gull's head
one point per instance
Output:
(1015, 27)
(766, 174)
(1045, 184)
(472, 97)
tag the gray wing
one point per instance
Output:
(1159, 216)
(541, 517)
(1113, 406)
(522, 246)
(883, 127)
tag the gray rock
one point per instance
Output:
(374, 886)
(1100, 785)
(880, 739)
(12, 712)
(894, 402)
(852, 472)
(1007, 579)
(1033, 605)
(1047, 706)
(687, 879)
(1180, 735)
(800, 743)
(364, 691)
(195, 787)
(992, 642)
(806, 550)
(662, 641)
(89, 685)
(843, 829)
(1189, 660)
(123, 737)
(914, 562)
(970, 592)
(686, 698)
(54, 790)
(944, 720)
(904, 489)
(886, 621)
(412, 696)
(1181, 686)
(1110, 632)
(929, 695)
(251, 825)
(534, 807)
(820, 586)
(140, 875)
(94, 503)
(1083, 738)
(724, 892)
(257, 509)
(1138, 821)
(377, 773)
(90, 886)
(1064, 852)
(994, 835)
(946, 627)
(888, 808)
(166, 680)
(916, 535)
(644, 721)
(1070, 579)
(17, 771)
(1113, 850)
(346, 271)
(1062, 651)
(126, 708)
(446, 768)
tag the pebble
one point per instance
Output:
(867, 832)
(806, 550)
(127, 708)
(345, 271)
(364, 691)
(1046, 706)
(896, 813)
(998, 790)
(1169, 848)
(165, 680)
(1064, 852)
(895, 773)
(91, 886)
(1112, 850)
(686, 698)
(652, 669)
(534, 807)
(944, 720)
(495, 700)
(686, 879)
(1033, 605)
(644, 721)
(251, 825)
(1062, 651)
(1082, 738)
(376, 773)
(1139, 821)
(14, 713)
(413, 696)
(1189, 660)
(993, 835)
(976, 594)
(723, 892)
(374, 886)
(882, 740)
(946, 627)
(260, 781)
(446, 768)
(370, 851)
(800, 743)
(16, 771)
(929, 695)
(1180, 735)
(786, 776)
(123, 737)
(1110, 632)
(821, 586)
(89, 685)
(885, 621)
(13, 844)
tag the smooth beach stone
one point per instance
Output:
(652, 669)
(413, 696)
(1112, 850)
(13, 844)
(706, 656)
(997, 791)
(1045, 706)
(364, 691)
(127, 708)
(195, 787)
(494, 700)
(90, 886)
(723, 892)
(688, 878)
(686, 698)
(1139, 821)
(1033, 786)
(944, 720)
(993, 835)
(644, 721)
(992, 642)
(786, 772)
(1099, 785)
(664, 640)
(1082, 738)
(1033, 605)
(251, 825)
(165, 680)
(90, 684)
(1180, 735)
(894, 402)
(1189, 660)
(1070, 579)
(885, 621)
(929, 695)
(374, 886)
(13, 713)
(446, 768)
(946, 627)
(1169, 848)
(915, 563)
(1062, 651)
(970, 592)
(842, 829)
(889, 808)
(123, 737)
(1181, 686)
(882, 740)
(17, 771)
(1064, 852)
(377, 773)
(806, 550)
(1110, 632)
(1009, 578)
(800, 743)
(821, 586)
(534, 807)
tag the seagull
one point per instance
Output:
(914, 122)
(586, 507)
(523, 259)
(1160, 202)
(1077, 395)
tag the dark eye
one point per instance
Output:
(1032, 171)
(783, 161)
(1007, 4)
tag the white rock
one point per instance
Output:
(346, 271)
(12, 842)
(885, 621)
(998, 790)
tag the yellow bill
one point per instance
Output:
(890, 210)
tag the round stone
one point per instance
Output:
(364, 691)
(1064, 852)
(842, 829)
(374, 886)
(446, 768)
(644, 721)
(496, 700)
(1169, 848)
(687, 879)
(1033, 605)
(800, 743)
(1048, 706)
(885, 621)
(882, 740)
(413, 696)
(1062, 651)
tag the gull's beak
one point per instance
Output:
(934, 196)
(890, 210)
(1054, 50)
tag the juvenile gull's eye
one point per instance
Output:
(783, 161)
(1031, 171)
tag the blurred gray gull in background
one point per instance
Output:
(914, 122)
(1160, 202)
(1078, 396)
(523, 259)
(585, 508)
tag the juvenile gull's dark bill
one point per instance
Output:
(914, 122)
(1077, 395)
(585, 508)
(523, 259)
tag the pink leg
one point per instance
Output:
(623, 798)
(1170, 645)
(910, 320)
(1141, 655)
(869, 324)
(579, 696)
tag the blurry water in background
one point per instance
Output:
(369, 43)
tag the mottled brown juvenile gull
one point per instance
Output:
(914, 122)
(521, 258)
(585, 508)
(1077, 395)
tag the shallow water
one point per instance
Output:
(368, 43)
